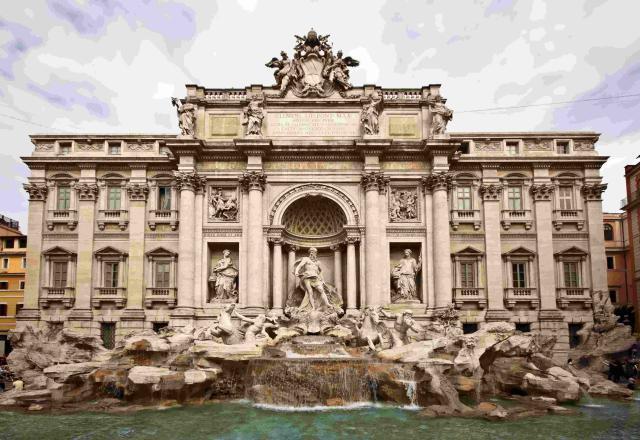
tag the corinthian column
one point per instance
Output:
(337, 267)
(291, 260)
(253, 182)
(138, 193)
(37, 211)
(592, 194)
(438, 184)
(373, 182)
(277, 273)
(542, 195)
(187, 182)
(352, 281)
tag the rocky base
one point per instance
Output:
(68, 371)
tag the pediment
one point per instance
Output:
(521, 250)
(161, 252)
(573, 250)
(108, 250)
(469, 250)
(57, 250)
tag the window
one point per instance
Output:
(162, 273)
(114, 194)
(519, 274)
(465, 147)
(164, 198)
(5, 263)
(613, 296)
(3, 310)
(524, 327)
(22, 243)
(157, 326)
(24, 262)
(114, 148)
(571, 274)
(108, 334)
(64, 198)
(18, 308)
(565, 196)
(4, 285)
(21, 284)
(65, 147)
(60, 273)
(8, 243)
(608, 232)
(111, 274)
(467, 274)
(610, 263)
(574, 337)
(514, 198)
(562, 147)
(469, 327)
(463, 194)
(513, 148)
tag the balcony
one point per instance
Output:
(116, 295)
(166, 295)
(119, 217)
(466, 295)
(516, 216)
(568, 295)
(62, 216)
(64, 295)
(568, 216)
(157, 217)
(513, 295)
(460, 216)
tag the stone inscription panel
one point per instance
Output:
(224, 125)
(317, 124)
(403, 126)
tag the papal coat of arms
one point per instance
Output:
(314, 70)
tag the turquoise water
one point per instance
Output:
(239, 420)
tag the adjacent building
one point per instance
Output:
(140, 231)
(13, 258)
(631, 206)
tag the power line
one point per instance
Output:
(30, 122)
(547, 104)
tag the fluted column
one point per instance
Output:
(277, 273)
(187, 182)
(337, 267)
(592, 194)
(253, 182)
(373, 182)
(37, 212)
(493, 253)
(291, 260)
(352, 281)
(439, 184)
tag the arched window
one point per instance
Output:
(608, 232)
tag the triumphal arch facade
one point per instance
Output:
(266, 184)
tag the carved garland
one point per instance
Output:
(313, 187)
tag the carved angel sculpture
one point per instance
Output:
(338, 70)
(286, 70)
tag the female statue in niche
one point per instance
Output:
(223, 277)
(404, 277)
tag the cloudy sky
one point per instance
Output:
(110, 66)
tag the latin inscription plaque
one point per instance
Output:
(224, 125)
(403, 126)
(322, 124)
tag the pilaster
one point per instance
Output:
(592, 194)
(373, 183)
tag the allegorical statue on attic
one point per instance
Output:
(253, 116)
(441, 115)
(314, 71)
(186, 117)
(369, 117)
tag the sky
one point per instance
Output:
(111, 66)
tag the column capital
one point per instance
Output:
(592, 192)
(490, 191)
(542, 191)
(87, 191)
(374, 181)
(137, 191)
(276, 241)
(36, 192)
(292, 247)
(352, 240)
(336, 247)
(188, 180)
(253, 180)
(437, 181)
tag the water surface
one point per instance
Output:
(599, 419)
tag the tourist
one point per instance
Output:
(18, 384)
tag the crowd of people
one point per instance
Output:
(626, 370)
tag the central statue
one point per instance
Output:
(309, 274)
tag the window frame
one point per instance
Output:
(60, 189)
(114, 145)
(609, 234)
(516, 144)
